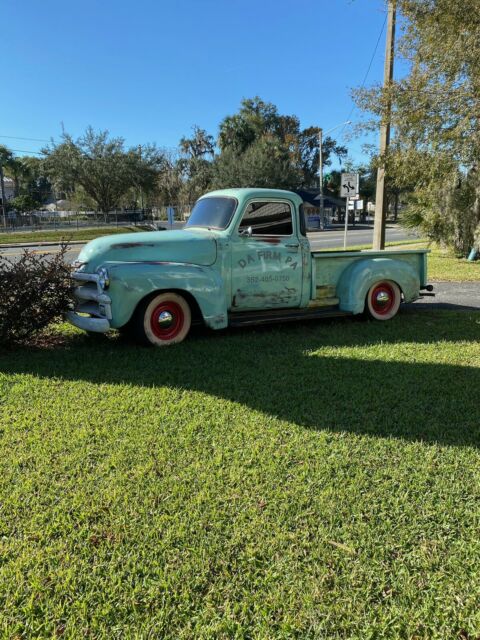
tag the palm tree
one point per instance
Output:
(19, 170)
(6, 156)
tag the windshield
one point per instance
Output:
(214, 213)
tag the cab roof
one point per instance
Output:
(247, 193)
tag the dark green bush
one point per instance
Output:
(34, 291)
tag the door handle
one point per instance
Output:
(292, 246)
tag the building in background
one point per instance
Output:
(333, 207)
(9, 189)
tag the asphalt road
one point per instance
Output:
(328, 239)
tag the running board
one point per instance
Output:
(283, 315)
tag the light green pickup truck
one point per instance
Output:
(242, 258)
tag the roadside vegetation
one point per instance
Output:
(434, 161)
(35, 290)
(444, 265)
(309, 481)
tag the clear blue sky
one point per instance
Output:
(149, 70)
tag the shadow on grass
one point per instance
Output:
(354, 386)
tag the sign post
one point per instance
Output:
(348, 189)
(170, 216)
(346, 224)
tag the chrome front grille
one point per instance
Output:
(90, 296)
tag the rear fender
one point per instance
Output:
(357, 279)
(132, 282)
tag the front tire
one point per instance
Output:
(163, 320)
(383, 300)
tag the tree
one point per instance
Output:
(102, 167)
(23, 203)
(28, 175)
(170, 180)
(201, 144)
(6, 156)
(15, 169)
(435, 116)
(254, 119)
(265, 163)
(195, 164)
(35, 181)
(258, 128)
(309, 153)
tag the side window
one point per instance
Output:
(268, 219)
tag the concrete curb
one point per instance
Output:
(50, 243)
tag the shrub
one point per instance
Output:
(23, 203)
(448, 212)
(34, 291)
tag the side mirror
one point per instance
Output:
(246, 231)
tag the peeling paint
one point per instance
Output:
(263, 297)
(271, 240)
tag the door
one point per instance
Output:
(266, 257)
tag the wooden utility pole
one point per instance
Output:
(320, 175)
(380, 196)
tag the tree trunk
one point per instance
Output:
(476, 214)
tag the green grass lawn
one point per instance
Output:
(64, 234)
(319, 480)
(443, 265)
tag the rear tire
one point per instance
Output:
(163, 320)
(383, 300)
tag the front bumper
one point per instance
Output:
(97, 325)
(93, 307)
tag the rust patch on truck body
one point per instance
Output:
(131, 245)
(263, 298)
(271, 240)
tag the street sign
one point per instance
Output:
(349, 185)
(358, 206)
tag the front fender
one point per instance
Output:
(130, 282)
(357, 279)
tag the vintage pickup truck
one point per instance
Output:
(242, 258)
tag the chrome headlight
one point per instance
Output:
(103, 279)
(77, 265)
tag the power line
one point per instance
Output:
(368, 68)
(37, 153)
(32, 139)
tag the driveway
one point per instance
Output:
(459, 296)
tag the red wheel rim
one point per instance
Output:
(166, 320)
(382, 298)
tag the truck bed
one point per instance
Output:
(328, 266)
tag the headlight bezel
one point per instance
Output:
(103, 277)
(78, 265)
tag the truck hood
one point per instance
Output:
(194, 247)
